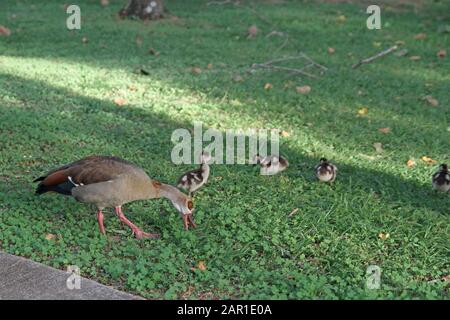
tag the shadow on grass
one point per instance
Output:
(189, 42)
(80, 124)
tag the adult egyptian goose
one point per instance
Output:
(195, 179)
(112, 182)
(326, 171)
(271, 164)
(441, 179)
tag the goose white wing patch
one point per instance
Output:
(75, 184)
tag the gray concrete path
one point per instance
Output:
(24, 279)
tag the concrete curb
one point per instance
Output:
(23, 279)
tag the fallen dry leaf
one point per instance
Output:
(120, 101)
(104, 2)
(268, 86)
(410, 163)
(303, 89)
(431, 101)
(378, 147)
(363, 111)
(428, 160)
(201, 265)
(400, 42)
(196, 70)
(385, 130)
(252, 31)
(441, 53)
(210, 66)
(331, 50)
(383, 236)
(285, 133)
(4, 31)
(415, 58)
(50, 236)
(420, 36)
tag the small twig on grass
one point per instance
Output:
(284, 44)
(313, 62)
(293, 212)
(270, 65)
(293, 70)
(378, 55)
(278, 33)
(275, 33)
(280, 60)
(286, 41)
(260, 16)
(219, 2)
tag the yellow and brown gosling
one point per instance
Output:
(326, 171)
(271, 165)
(441, 179)
(193, 180)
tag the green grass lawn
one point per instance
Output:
(57, 97)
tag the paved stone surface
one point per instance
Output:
(24, 279)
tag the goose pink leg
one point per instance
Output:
(188, 220)
(136, 231)
(100, 221)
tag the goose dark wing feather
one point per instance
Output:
(94, 173)
(69, 165)
(86, 171)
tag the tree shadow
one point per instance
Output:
(183, 45)
(44, 138)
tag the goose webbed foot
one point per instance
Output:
(191, 221)
(188, 220)
(138, 233)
